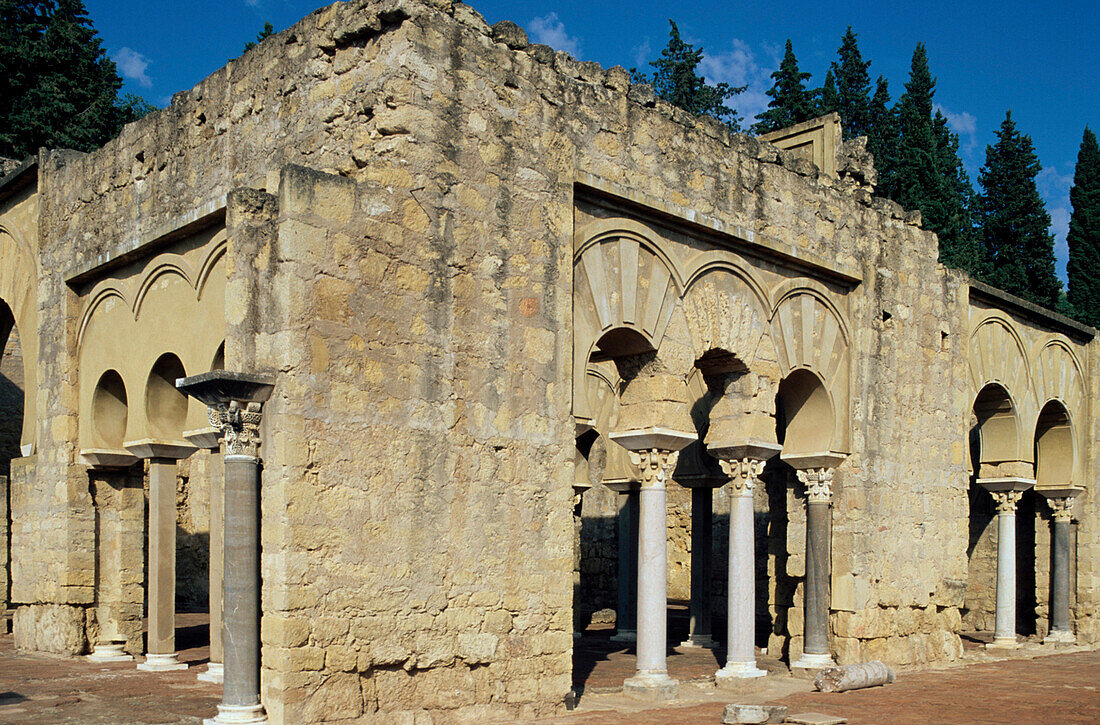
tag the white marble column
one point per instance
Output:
(655, 452)
(741, 586)
(1006, 493)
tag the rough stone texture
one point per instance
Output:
(423, 221)
(754, 714)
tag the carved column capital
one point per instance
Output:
(1062, 508)
(655, 465)
(239, 427)
(743, 474)
(1006, 501)
(818, 483)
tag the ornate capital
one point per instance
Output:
(239, 428)
(655, 465)
(743, 474)
(1006, 501)
(818, 483)
(1062, 508)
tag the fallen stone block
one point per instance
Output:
(816, 718)
(737, 714)
(853, 677)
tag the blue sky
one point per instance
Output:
(1040, 60)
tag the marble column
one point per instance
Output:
(626, 612)
(819, 501)
(1006, 493)
(1061, 625)
(702, 537)
(237, 401)
(655, 452)
(741, 587)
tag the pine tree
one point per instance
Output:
(882, 137)
(853, 85)
(1015, 226)
(267, 32)
(791, 103)
(916, 177)
(58, 88)
(949, 211)
(828, 98)
(1083, 239)
(676, 81)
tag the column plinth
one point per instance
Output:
(1006, 493)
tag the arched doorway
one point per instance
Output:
(12, 395)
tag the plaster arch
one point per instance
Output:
(1057, 452)
(810, 334)
(209, 263)
(101, 294)
(808, 415)
(622, 280)
(997, 355)
(18, 290)
(726, 308)
(1058, 377)
(998, 432)
(167, 264)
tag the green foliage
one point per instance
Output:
(1083, 268)
(1014, 222)
(267, 32)
(58, 88)
(790, 102)
(828, 99)
(949, 208)
(675, 80)
(853, 88)
(882, 136)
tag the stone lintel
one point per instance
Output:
(1063, 491)
(106, 458)
(654, 438)
(1007, 483)
(582, 426)
(203, 438)
(808, 461)
(739, 450)
(153, 448)
(623, 485)
(220, 387)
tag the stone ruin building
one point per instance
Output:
(518, 346)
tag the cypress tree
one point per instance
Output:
(790, 102)
(1015, 226)
(1083, 268)
(916, 176)
(828, 98)
(882, 137)
(949, 210)
(675, 80)
(58, 88)
(853, 85)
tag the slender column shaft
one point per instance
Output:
(1005, 628)
(162, 556)
(1060, 621)
(626, 616)
(652, 580)
(241, 582)
(702, 533)
(740, 603)
(817, 578)
(216, 472)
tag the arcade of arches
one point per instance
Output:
(422, 349)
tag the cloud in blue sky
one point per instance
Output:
(966, 126)
(1054, 188)
(549, 30)
(739, 66)
(132, 65)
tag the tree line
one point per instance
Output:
(999, 234)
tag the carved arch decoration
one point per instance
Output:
(602, 381)
(728, 309)
(18, 290)
(622, 280)
(810, 333)
(1059, 379)
(997, 356)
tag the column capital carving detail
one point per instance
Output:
(818, 483)
(655, 465)
(1062, 508)
(1006, 501)
(239, 428)
(743, 474)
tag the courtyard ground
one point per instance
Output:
(1037, 685)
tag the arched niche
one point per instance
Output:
(997, 355)
(18, 295)
(109, 411)
(218, 363)
(805, 418)
(1055, 447)
(165, 405)
(996, 434)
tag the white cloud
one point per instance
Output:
(1054, 187)
(548, 30)
(739, 67)
(642, 57)
(132, 65)
(965, 125)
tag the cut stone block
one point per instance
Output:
(816, 718)
(736, 713)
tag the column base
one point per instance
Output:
(109, 653)
(215, 672)
(651, 686)
(1004, 643)
(702, 641)
(1060, 636)
(736, 672)
(809, 664)
(625, 635)
(238, 715)
(162, 663)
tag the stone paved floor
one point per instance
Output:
(1061, 688)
